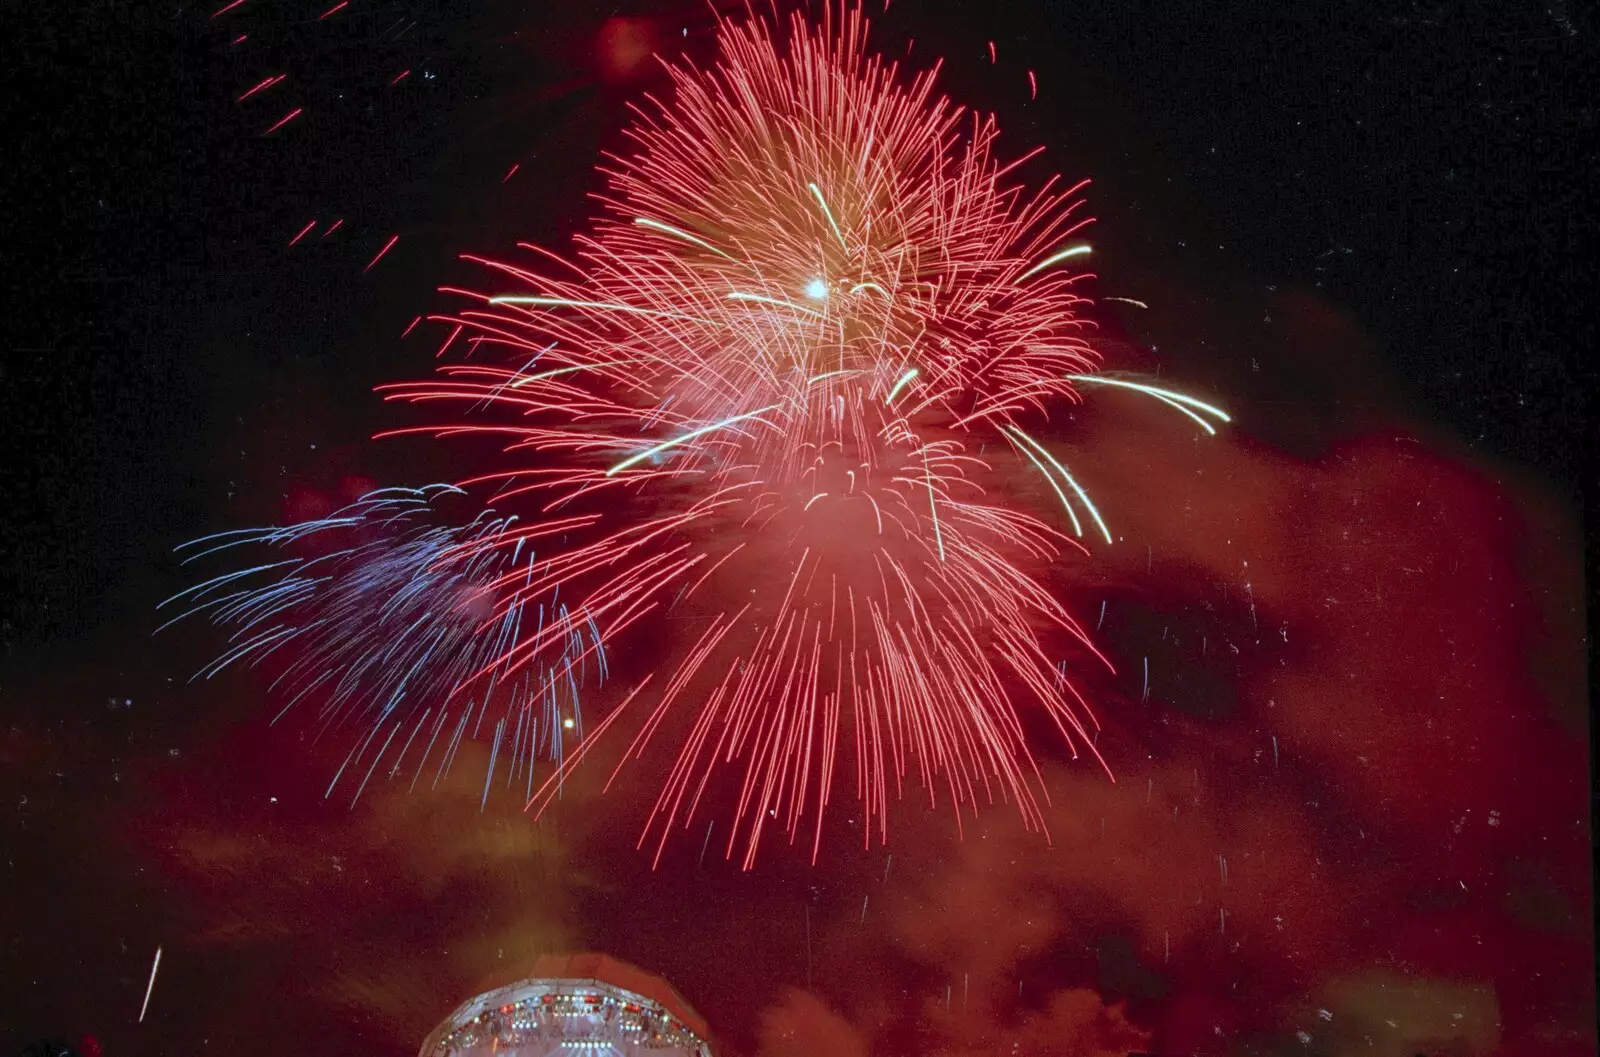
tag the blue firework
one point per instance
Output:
(388, 621)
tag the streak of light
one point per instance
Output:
(1066, 504)
(1083, 496)
(1033, 86)
(529, 379)
(402, 75)
(691, 435)
(219, 12)
(679, 233)
(290, 116)
(823, 202)
(1185, 411)
(740, 295)
(387, 246)
(1056, 258)
(511, 172)
(335, 9)
(150, 986)
(262, 86)
(1179, 401)
(303, 232)
(336, 225)
(901, 384)
(1126, 301)
(829, 374)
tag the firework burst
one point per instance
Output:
(381, 613)
(767, 397)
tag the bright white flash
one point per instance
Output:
(817, 290)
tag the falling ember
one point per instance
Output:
(402, 75)
(335, 226)
(335, 9)
(387, 246)
(1033, 86)
(290, 116)
(150, 986)
(303, 233)
(262, 86)
(786, 421)
(449, 341)
(219, 12)
(512, 172)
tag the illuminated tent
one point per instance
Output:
(573, 1003)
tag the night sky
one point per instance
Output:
(1352, 808)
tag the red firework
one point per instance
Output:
(812, 302)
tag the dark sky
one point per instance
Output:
(1364, 223)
